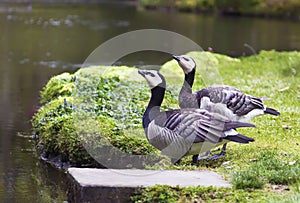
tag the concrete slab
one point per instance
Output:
(116, 185)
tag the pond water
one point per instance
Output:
(44, 39)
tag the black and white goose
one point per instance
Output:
(183, 132)
(225, 100)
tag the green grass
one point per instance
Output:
(167, 194)
(254, 169)
(269, 167)
(273, 159)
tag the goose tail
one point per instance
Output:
(239, 138)
(272, 112)
(236, 124)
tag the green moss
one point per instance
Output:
(102, 103)
(48, 121)
(61, 85)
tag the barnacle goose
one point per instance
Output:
(189, 131)
(225, 100)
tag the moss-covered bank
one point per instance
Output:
(266, 8)
(105, 105)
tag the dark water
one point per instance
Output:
(38, 41)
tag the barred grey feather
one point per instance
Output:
(238, 102)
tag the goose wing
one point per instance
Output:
(191, 126)
(199, 125)
(236, 101)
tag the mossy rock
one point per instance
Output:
(96, 105)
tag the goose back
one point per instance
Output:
(225, 100)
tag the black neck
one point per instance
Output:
(188, 81)
(153, 109)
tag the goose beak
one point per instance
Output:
(142, 72)
(177, 58)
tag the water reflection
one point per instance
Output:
(47, 39)
(38, 183)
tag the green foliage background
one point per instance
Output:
(279, 8)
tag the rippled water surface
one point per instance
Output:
(42, 40)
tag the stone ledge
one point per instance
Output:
(117, 185)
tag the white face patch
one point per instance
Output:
(186, 63)
(152, 78)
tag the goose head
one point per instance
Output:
(153, 77)
(187, 63)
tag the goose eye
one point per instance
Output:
(151, 74)
(185, 58)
